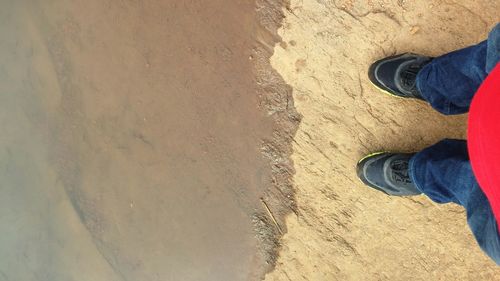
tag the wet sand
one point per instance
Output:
(132, 140)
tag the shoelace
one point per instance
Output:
(400, 171)
(409, 77)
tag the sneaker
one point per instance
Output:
(387, 172)
(397, 75)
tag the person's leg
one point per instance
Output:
(443, 173)
(449, 82)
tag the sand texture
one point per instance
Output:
(341, 229)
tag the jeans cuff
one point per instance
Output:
(412, 167)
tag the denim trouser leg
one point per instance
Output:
(449, 82)
(443, 171)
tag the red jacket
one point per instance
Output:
(484, 139)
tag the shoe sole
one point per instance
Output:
(371, 155)
(385, 91)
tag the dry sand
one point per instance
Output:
(342, 230)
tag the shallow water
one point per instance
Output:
(131, 141)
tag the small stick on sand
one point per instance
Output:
(271, 215)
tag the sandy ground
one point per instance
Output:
(132, 140)
(141, 138)
(341, 229)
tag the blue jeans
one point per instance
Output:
(443, 171)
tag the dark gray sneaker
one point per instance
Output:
(387, 172)
(397, 75)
